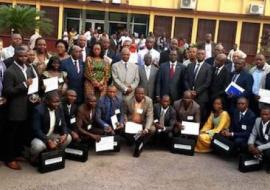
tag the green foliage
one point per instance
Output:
(24, 20)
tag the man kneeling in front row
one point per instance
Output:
(50, 131)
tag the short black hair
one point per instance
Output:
(50, 95)
(62, 42)
(51, 60)
(102, 50)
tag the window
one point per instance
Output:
(205, 26)
(183, 28)
(226, 34)
(249, 37)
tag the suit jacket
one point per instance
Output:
(267, 81)
(150, 84)
(201, 84)
(114, 56)
(16, 93)
(9, 61)
(201, 45)
(41, 122)
(245, 80)
(122, 78)
(211, 61)
(104, 111)
(75, 80)
(169, 118)
(242, 128)
(164, 56)
(147, 114)
(219, 83)
(191, 114)
(83, 117)
(70, 115)
(172, 87)
(256, 137)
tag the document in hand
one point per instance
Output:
(133, 128)
(190, 128)
(234, 89)
(51, 84)
(264, 96)
(33, 88)
(105, 143)
(114, 121)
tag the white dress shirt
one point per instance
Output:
(265, 127)
(208, 50)
(8, 52)
(154, 53)
(84, 54)
(52, 122)
(147, 71)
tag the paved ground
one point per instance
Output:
(155, 169)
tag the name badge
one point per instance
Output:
(139, 111)
(117, 111)
(190, 117)
(89, 127)
(60, 122)
(155, 121)
(60, 80)
(244, 127)
(72, 120)
(266, 137)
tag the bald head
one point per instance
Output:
(16, 39)
(174, 44)
(82, 41)
(219, 49)
(105, 43)
(220, 60)
(76, 52)
(125, 54)
(260, 61)
(71, 96)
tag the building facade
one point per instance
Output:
(230, 21)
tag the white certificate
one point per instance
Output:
(105, 143)
(264, 96)
(33, 88)
(133, 128)
(51, 84)
(114, 121)
(190, 128)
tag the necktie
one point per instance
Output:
(125, 66)
(162, 116)
(241, 116)
(234, 77)
(196, 70)
(77, 66)
(216, 71)
(172, 71)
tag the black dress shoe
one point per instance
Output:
(138, 149)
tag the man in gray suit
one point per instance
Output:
(170, 80)
(148, 75)
(125, 75)
(198, 79)
(259, 139)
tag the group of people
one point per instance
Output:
(158, 90)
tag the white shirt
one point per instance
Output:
(154, 53)
(219, 69)
(52, 122)
(208, 50)
(242, 54)
(22, 68)
(265, 126)
(87, 35)
(84, 54)
(164, 110)
(124, 38)
(8, 52)
(133, 58)
(147, 71)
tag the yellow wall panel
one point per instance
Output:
(231, 6)
(145, 3)
(208, 5)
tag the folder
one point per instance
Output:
(133, 128)
(264, 96)
(190, 128)
(234, 89)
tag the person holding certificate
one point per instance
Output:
(139, 110)
(164, 120)
(217, 121)
(109, 112)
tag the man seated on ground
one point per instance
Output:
(108, 106)
(139, 109)
(186, 110)
(70, 112)
(50, 131)
(86, 123)
(164, 120)
(259, 139)
(242, 123)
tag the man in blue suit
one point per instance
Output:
(242, 123)
(108, 106)
(170, 79)
(244, 80)
(75, 69)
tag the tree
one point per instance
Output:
(24, 20)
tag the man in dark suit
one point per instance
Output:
(108, 106)
(16, 83)
(220, 79)
(219, 49)
(164, 120)
(170, 78)
(108, 52)
(70, 110)
(148, 75)
(49, 126)
(82, 43)
(267, 81)
(208, 45)
(242, 123)
(198, 79)
(75, 69)
(165, 55)
(259, 139)
(244, 80)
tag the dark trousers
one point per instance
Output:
(163, 139)
(205, 111)
(3, 123)
(14, 139)
(241, 144)
(266, 157)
